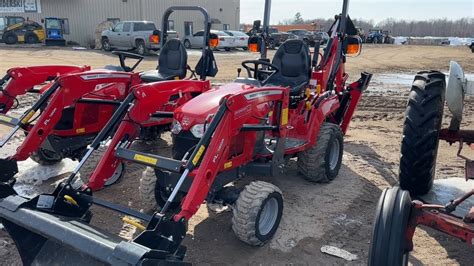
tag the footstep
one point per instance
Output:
(338, 252)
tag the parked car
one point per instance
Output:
(133, 35)
(322, 36)
(240, 38)
(276, 38)
(307, 36)
(196, 40)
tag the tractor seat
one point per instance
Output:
(294, 61)
(171, 63)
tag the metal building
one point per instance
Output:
(80, 17)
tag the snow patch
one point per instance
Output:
(33, 173)
(445, 190)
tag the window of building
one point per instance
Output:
(170, 24)
(188, 28)
(226, 26)
(65, 25)
(127, 26)
(114, 20)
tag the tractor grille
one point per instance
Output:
(182, 143)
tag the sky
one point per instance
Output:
(376, 10)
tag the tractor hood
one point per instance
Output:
(198, 109)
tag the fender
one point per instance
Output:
(21, 80)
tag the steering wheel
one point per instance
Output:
(124, 55)
(253, 66)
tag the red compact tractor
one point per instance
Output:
(397, 215)
(74, 108)
(293, 106)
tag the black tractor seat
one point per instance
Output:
(294, 61)
(171, 63)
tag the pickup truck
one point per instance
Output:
(133, 35)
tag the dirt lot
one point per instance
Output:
(339, 213)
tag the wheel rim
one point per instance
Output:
(187, 44)
(115, 176)
(334, 153)
(268, 216)
(141, 49)
(106, 45)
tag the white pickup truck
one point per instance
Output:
(133, 35)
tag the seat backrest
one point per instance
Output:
(173, 59)
(294, 61)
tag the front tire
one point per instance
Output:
(31, 38)
(257, 213)
(106, 45)
(187, 44)
(90, 166)
(389, 244)
(45, 157)
(321, 163)
(421, 130)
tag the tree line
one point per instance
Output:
(463, 27)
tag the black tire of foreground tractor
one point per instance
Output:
(45, 157)
(421, 129)
(321, 163)
(257, 213)
(91, 164)
(388, 245)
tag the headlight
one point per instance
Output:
(176, 127)
(198, 130)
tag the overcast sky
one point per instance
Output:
(368, 9)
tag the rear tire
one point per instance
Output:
(45, 157)
(389, 245)
(10, 38)
(421, 130)
(91, 164)
(141, 48)
(227, 49)
(31, 38)
(321, 163)
(257, 213)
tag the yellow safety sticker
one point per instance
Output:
(199, 154)
(228, 165)
(6, 118)
(80, 130)
(284, 116)
(28, 117)
(145, 159)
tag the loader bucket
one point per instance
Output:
(44, 238)
(55, 42)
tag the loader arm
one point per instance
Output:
(150, 100)
(213, 148)
(70, 89)
(22, 80)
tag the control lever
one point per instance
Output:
(238, 72)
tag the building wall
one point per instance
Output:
(85, 15)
